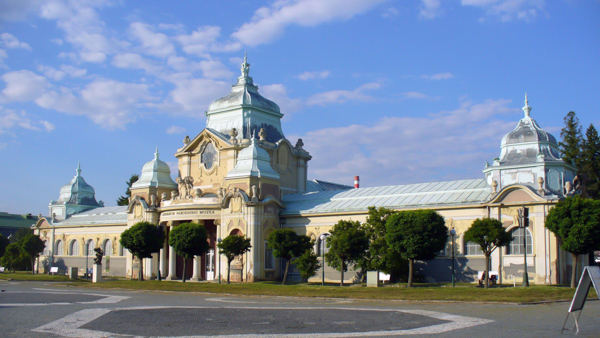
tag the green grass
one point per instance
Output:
(422, 292)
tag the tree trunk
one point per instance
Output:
(411, 264)
(487, 270)
(574, 272)
(141, 274)
(184, 271)
(228, 270)
(287, 266)
(342, 271)
(32, 264)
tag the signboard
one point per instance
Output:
(589, 277)
(176, 215)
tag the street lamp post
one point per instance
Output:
(452, 234)
(158, 277)
(322, 238)
(522, 225)
(87, 254)
(219, 240)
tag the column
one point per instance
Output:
(163, 262)
(195, 263)
(171, 275)
(148, 268)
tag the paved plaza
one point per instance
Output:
(42, 309)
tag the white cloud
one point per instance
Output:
(175, 130)
(10, 119)
(136, 61)
(204, 40)
(214, 69)
(269, 23)
(10, 41)
(156, 44)
(341, 96)
(390, 13)
(399, 150)
(414, 95)
(313, 75)
(195, 95)
(73, 71)
(278, 94)
(22, 85)
(438, 76)
(430, 9)
(508, 10)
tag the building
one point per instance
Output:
(11, 223)
(240, 175)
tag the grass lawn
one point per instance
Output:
(422, 292)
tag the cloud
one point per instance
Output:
(342, 96)
(155, 44)
(438, 76)
(10, 119)
(430, 9)
(508, 10)
(214, 69)
(313, 75)
(268, 23)
(22, 85)
(398, 150)
(204, 40)
(390, 13)
(136, 61)
(278, 94)
(414, 95)
(175, 130)
(10, 41)
(195, 95)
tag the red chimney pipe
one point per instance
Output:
(356, 180)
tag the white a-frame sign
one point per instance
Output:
(590, 275)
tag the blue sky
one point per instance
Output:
(394, 91)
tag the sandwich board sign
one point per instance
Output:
(589, 277)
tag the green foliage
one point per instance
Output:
(347, 244)
(33, 246)
(142, 240)
(570, 146)
(233, 246)
(307, 264)
(416, 234)
(4, 242)
(379, 257)
(575, 221)
(189, 240)
(20, 234)
(12, 258)
(589, 168)
(287, 244)
(124, 200)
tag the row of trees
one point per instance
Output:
(22, 252)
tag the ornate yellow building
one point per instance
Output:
(240, 175)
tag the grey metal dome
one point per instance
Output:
(155, 173)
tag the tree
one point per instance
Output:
(124, 200)
(3, 243)
(379, 256)
(142, 240)
(575, 221)
(307, 264)
(347, 244)
(570, 146)
(233, 246)
(12, 256)
(189, 240)
(590, 163)
(33, 246)
(20, 234)
(287, 244)
(416, 234)
(489, 234)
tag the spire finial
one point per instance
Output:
(245, 66)
(156, 154)
(526, 108)
(78, 168)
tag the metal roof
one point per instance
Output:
(318, 185)
(394, 197)
(105, 215)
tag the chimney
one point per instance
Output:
(356, 180)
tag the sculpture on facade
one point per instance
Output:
(262, 134)
(299, 144)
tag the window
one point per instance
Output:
(58, 251)
(209, 156)
(473, 249)
(90, 247)
(516, 245)
(269, 258)
(74, 248)
(107, 248)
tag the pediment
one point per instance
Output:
(516, 194)
(205, 136)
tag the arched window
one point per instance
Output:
(516, 245)
(58, 250)
(74, 248)
(322, 245)
(107, 248)
(473, 249)
(90, 247)
(209, 156)
(46, 251)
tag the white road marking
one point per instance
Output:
(70, 326)
(105, 300)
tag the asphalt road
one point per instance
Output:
(39, 309)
